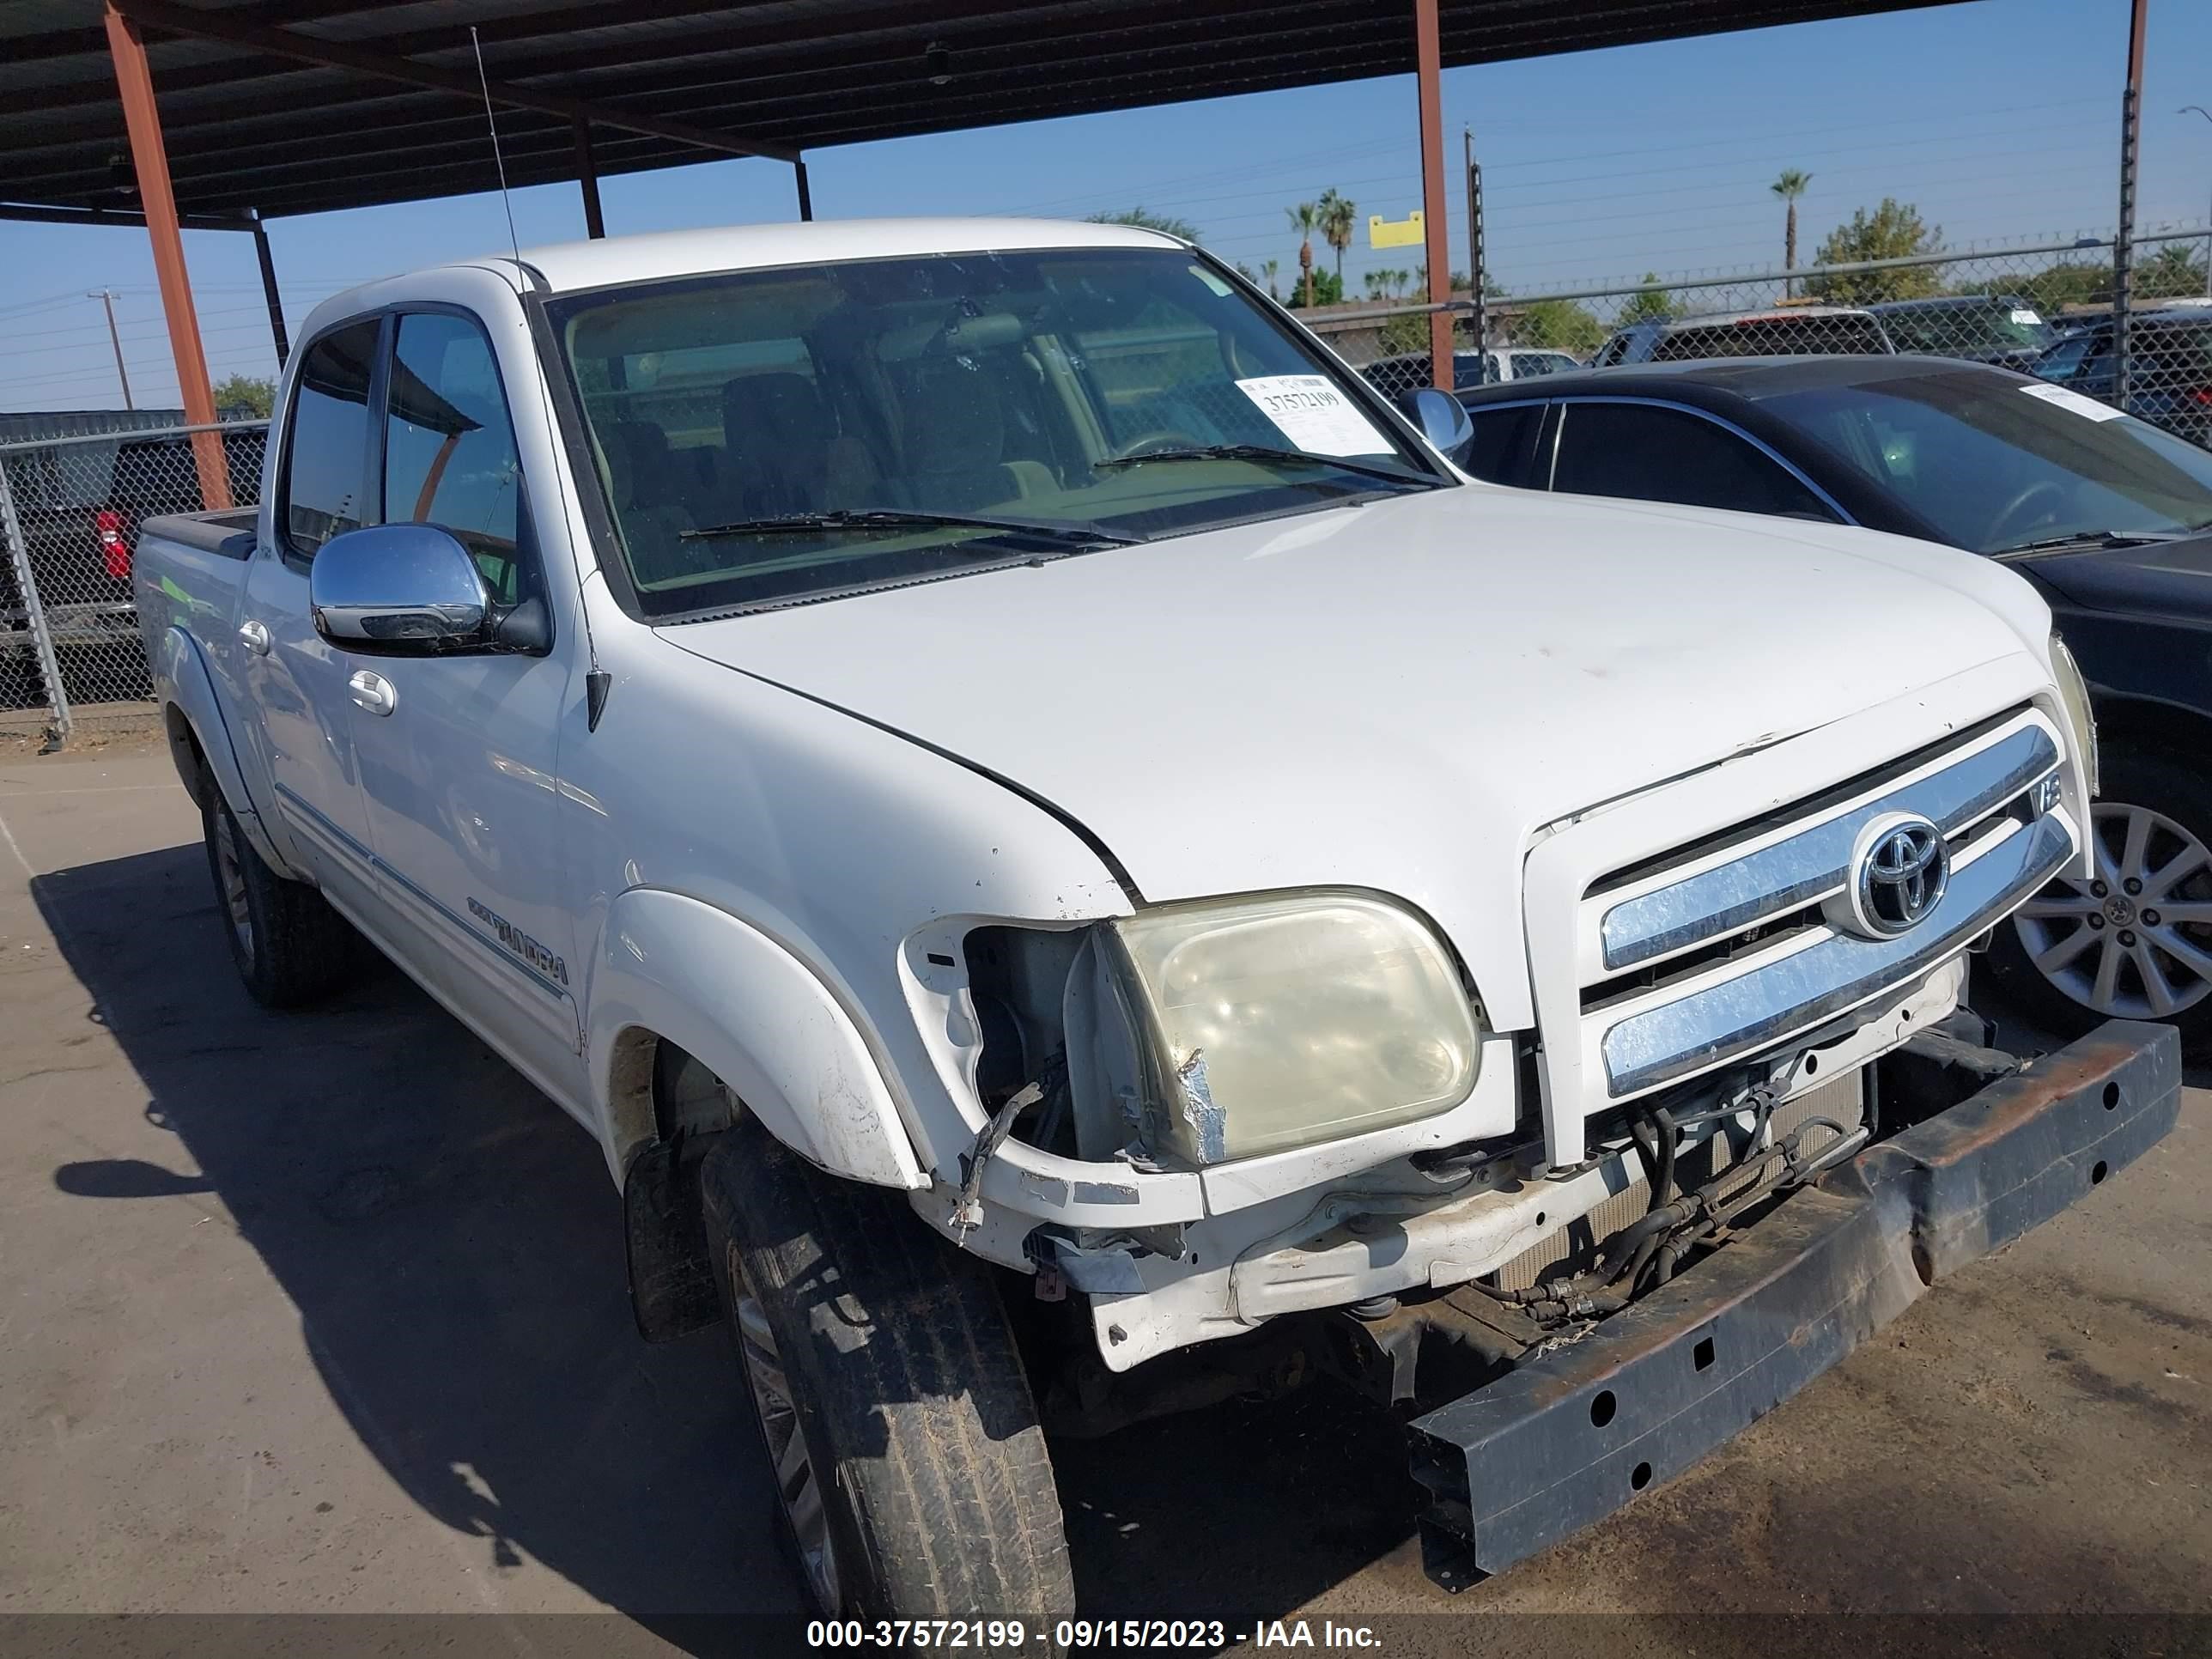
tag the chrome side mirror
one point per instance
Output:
(398, 588)
(1441, 418)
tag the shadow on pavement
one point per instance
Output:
(453, 1247)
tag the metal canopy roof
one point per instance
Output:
(252, 123)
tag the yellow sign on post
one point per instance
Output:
(1398, 233)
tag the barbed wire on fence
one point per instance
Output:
(2042, 307)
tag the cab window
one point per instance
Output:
(449, 449)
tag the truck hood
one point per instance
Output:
(1396, 696)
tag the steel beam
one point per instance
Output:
(39, 214)
(143, 121)
(338, 54)
(805, 195)
(587, 179)
(1428, 49)
(276, 333)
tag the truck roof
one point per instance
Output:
(570, 265)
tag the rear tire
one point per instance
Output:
(287, 943)
(913, 1479)
(2108, 954)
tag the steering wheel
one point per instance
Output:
(2017, 507)
(1151, 442)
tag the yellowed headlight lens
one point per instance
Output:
(1298, 1018)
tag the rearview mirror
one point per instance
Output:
(1442, 420)
(398, 588)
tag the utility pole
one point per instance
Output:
(2199, 109)
(1474, 258)
(2124, 251)
(106, 297)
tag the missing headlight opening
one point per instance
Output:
(1051, 1013)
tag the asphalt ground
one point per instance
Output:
(325, 1313)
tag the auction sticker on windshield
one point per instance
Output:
(1314, 415)
(2087, 408)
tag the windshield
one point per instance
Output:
(1947, 329)
(1809, 335)
(1993, 463)
(765, 436)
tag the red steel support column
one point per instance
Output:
(143, 121)
(1429, 48)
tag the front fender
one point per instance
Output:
(180, 673)
(758, 1018)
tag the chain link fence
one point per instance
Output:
(2044, 310)
(70, 511)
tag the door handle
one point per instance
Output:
(255, 635)
(373, 692)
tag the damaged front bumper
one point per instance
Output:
(1565, 1438)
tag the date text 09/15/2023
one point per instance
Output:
(1082, 1634)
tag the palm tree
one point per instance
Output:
(1339, 216)
(1270, 269)
(1789, 186)
(1305, 219)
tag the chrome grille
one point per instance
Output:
(1809, 866)
(1732, 950)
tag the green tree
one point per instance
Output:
(2172, 273)
(1892, 231)
(1305, 219)
(1269, 269)
(1560, 324)
(1406, 332)
(1166, 224)
(246, 391)
(1340, 218)
(1649, 304)
(1324, 287)
(2050, 290)
(1789, 186)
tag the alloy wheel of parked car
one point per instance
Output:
(2134, 942)
(798, 1483)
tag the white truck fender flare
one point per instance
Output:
(182, 674)
(758, 1018)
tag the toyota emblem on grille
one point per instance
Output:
(1900, 867)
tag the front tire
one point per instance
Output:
(912, 1476)
(287, 943)
(2136, 941)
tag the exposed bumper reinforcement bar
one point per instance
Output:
(1569, 1436)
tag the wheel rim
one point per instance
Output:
(2135, 941)
(797, 1485)
(230, 873)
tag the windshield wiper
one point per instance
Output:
(872, 519)
(1267, 453)
(2096, 538)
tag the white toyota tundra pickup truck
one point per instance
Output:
(1075, 865)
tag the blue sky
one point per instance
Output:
(1999, 118)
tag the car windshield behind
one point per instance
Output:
(1782, 335)
(1950, 327)
(1995, 464)
(778, 434)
